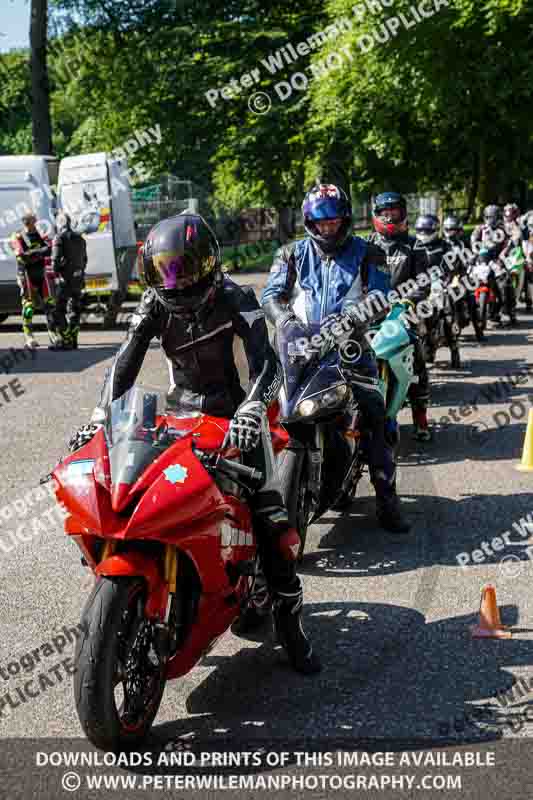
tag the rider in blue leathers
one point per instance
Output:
(320, 276)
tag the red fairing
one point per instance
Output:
(484, 290)
(280, 437)
(87, 500)
(174, 501)
(166, 505)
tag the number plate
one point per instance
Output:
(97, 283)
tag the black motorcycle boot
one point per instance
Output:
(251, 619)
(256, 613)
(290, 634)
(388, 508)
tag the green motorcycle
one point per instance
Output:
(393, 342)
(516, 267)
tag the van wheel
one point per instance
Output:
(3, 317)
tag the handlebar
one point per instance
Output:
(232, 469)
(225, 465)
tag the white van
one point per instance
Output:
(95, 190)
(25, 185)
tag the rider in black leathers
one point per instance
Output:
(69, 262)
(493, 236)
(429, 250)
(454, 235)
(390, 264)
(196, 313)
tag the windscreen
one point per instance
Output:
(137, 433)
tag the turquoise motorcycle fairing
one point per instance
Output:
(393, 344)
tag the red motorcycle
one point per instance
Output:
(159, 511)
(485, 297)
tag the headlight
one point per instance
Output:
(334, 396)
(331, 397)
(306, 408)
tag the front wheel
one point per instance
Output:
(483, 310)
(120, 677)
(295, 491)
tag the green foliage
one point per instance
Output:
(437, 103)
(444, 104)
(15, 122)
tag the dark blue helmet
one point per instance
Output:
(322, 202)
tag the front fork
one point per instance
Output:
(316, 458)
(166, 636)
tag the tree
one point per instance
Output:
(40, 90)
(443, 104)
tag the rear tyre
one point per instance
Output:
(119, 679)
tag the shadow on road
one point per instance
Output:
(388, 677)
(46, 361)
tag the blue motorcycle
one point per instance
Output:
(324, 460)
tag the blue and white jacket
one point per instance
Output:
(313, 284)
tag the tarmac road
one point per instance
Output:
(389, 615)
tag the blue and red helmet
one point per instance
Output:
(389, 214)
(326, 201)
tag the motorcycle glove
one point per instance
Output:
(245, 427)
(82, 436)
(359, 327)
(290, 326)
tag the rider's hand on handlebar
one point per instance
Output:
(291, 327)
(245, 427)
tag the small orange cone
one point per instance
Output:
(490, 625)
(526, 465)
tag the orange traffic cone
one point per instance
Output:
(490, 625)
(526, 465)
